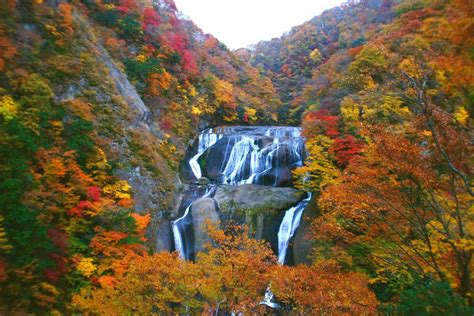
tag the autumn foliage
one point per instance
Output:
(231, 277)
(383, 91)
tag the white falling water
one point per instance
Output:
(206, 140)
(250, 152)
(288, 227)
(178, 240)
(236, 163)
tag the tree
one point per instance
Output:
(161, 283)
(319, 170)
(398, 199)
(344, 149)
(320, 122)
(235, 270)
(65, 12)
(322, 289)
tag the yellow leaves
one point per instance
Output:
(57, 127)
(251, 114)
(426, 133)
(387, 108)
(350, 110)
(224, 93)
(230, 118)
(409, 67)
(441, 76)
(192, 91)
(461, 115)
(392, 107)
(195, 111)
(315, 55)
(318, 171)
(86, 266)
(5, 247)
(8, 108)
(119, 190)
(98, 165)
(45, 294)
(141, 58)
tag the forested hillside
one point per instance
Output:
(99, 101)
(384, 92)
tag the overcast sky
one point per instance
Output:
(239, 23)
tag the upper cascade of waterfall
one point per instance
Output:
(247, 155)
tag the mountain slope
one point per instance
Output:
(98, 101)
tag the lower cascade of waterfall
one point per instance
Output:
(178, 226)
(288, 226)
(236, 156)
(182, 226)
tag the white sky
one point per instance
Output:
(239, 23)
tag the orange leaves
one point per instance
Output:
(61, 181)
(162, 283)
(80, 108)
(65, 12)
(7, 49)
(108, 242)
(106, 281)
(141, 221)
(322, 289)
(231, 277)
(159, 83)
(236, 269)
(390, 198)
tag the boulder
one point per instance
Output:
(256, 198)
(259, 207)
(202, 210)
(279, 177)
(203, 181)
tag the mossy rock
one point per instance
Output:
(255, 199)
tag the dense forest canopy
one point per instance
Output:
(100, 99)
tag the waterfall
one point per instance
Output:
(241, 155)
(183, 245)
(177, 228)
(236, 156)
(205, 141)
(248, 155)
(288, 227)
